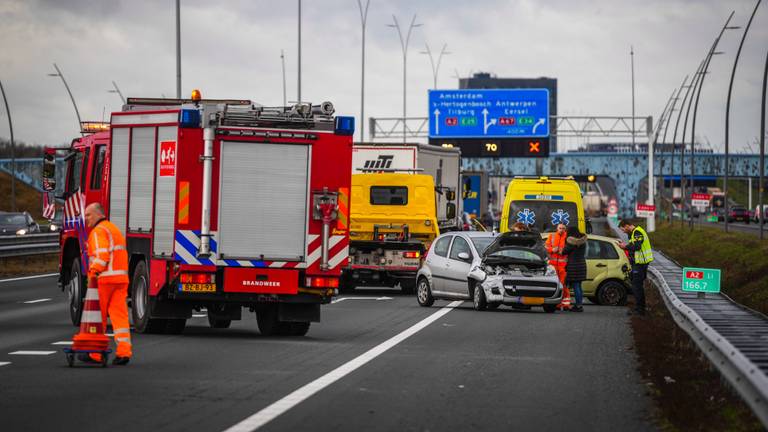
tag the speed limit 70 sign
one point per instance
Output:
(701, 280)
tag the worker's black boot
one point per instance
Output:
(121, 361)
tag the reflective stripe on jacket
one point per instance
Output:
(557, 259)
(643, 255)
(108, 257)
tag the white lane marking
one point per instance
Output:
(37, 301)
(32, 353)
(62, 343)
(4, 363)
(271, 412)
(360, 298)
(29, 277)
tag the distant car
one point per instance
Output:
(738, 214)
(17, 224)
(490, 269)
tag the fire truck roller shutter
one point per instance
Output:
(263, 201)
(165, 195)
(118, 182)
(142, 167)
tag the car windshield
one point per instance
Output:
(482, 243)
(13, 219)
(543, 215)
(517, 254)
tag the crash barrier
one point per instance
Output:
(30, 244)
(732, 336)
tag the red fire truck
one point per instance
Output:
(225, 204)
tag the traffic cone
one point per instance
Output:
(565, 303)
(91, 336)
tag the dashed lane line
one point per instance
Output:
(28, 277)
(62, 343)
(37, 301)
(4, 363)
(271, 412)
(32, 353)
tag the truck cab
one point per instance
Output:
(393, 221)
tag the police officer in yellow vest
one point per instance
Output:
(639, 246)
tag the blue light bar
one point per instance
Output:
(345, 125)
(189, 118)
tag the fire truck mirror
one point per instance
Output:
(49, 172)
(450, 210)
(450, 195)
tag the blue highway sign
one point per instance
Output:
(489, 113)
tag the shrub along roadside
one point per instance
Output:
(742, 258)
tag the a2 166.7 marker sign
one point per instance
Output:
(701, 280)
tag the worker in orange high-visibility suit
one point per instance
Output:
(555, 246)
(108, 267)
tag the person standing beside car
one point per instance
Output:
(639, 246)
(576, 267)
(555, 246)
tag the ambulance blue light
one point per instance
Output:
(189, 118)
(345, 125)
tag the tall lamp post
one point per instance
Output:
(363, 21)
(761, 186)
(117, 90)
(664, 140)
(282, 62)
(728, 113)
(178, 49)
(299, 83)
(404, 46)
(690, 87)
(712, 52)
(60, 75)
(632, 60)
(13, 151)
(435, 66)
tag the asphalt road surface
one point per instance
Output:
(377, 362)
(751, 228)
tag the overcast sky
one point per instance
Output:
(231, 49)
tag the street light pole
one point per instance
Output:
(664, 141)
(363, 21)
(632, 59)
(728, 112)
(435, 67)
(60, 75)
(692, 86)
(299, 83)
(178, 49)
(117, 90)
(13, 151)
(761, 186)
(404, 46)
(712, 52)
(282, 61)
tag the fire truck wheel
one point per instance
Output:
(219, 323)
(140, 304)
(266, 318)
(298, 328)
(75, 291)
(408, 286)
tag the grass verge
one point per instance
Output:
(28, 265)
(689, 393)
(741, 257)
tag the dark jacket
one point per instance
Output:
(576, 268)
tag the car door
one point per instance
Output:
(437, 260)
(457, 268)
(603, 262)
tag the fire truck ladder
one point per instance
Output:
(299, 116)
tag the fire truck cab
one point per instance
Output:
(225, 204)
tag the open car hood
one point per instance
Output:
(518, 240)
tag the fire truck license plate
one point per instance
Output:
(197, 287)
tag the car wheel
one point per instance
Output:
(140, 303)
(424, 293)
(612, 293)
(480, 302)
(407, 286)
(75, 291)
(219, 323)
(550, 308)
(266, 318)
(298, 328)
(593, 299)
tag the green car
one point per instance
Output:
(607, 272)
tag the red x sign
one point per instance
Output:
(534, 147)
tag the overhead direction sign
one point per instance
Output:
(489, 113)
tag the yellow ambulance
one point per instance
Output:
(544, 202)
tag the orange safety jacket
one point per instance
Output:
(557, 259)
(108, 257)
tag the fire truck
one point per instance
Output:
(225, 205)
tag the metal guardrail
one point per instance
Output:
(732, 336)
(30, 244)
